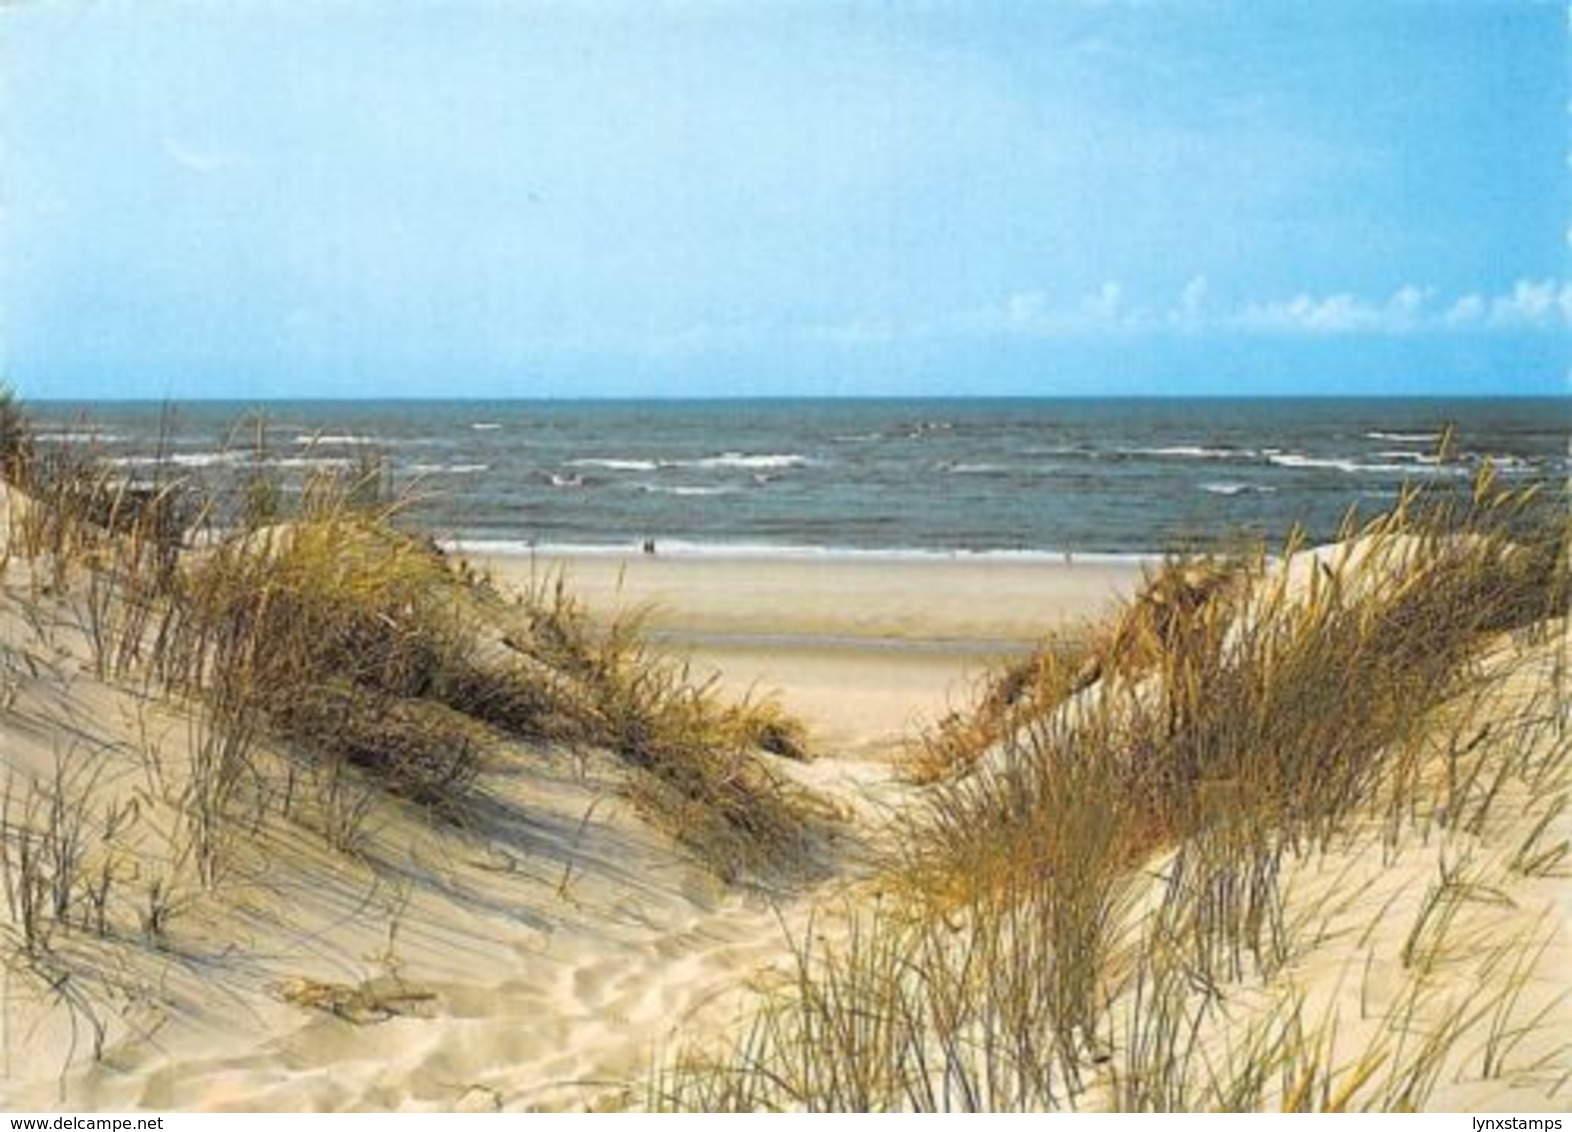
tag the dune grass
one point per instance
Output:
(371, 654)
(1103, 867)
(1288, 695)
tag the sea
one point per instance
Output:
(961, 477)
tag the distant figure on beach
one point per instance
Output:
(649, 546)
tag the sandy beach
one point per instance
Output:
(866, 649)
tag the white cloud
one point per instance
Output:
(1530, 304)
(1411, 309)
(1331, 314)
(1533, 303)
(1406, 309)
(1037, 314)
(199, 161)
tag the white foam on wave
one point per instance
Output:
(180, 460)
(1194, 452)
(238, 458)
(1356, 467)
(485, 426)
(615, 465)
(1237, 489)
(1404, 437)
(681, 489)
(1300, 460)
(78, 436)
(1081, 450)
(449, 469)
(308, 463)
(336, 440)
(743, 460)
(1410, 457)
(740, 460)
(558, 480)
(1518, 466)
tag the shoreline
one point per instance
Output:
(973, 605)
(686, 549)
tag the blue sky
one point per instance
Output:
(257, 198)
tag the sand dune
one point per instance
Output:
(550, 949)
(542, 955)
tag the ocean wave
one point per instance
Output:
(1300, 460)
(739, 460)
(558, 480)
(1082, 450)
(449, 469)
(336, 440)
(1356, 467)
(1404, 437)
(1518, 466)
(181, 460)
(681, 489)
(743, 460)
(309, 463)
(78, 436)
(978, 469)
(485, 426)
(1238, 489)
(1194, 452)
(986, 468)
(615, 465)
(239, 458)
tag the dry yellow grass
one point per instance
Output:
(1236, 724)
(365, 647)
